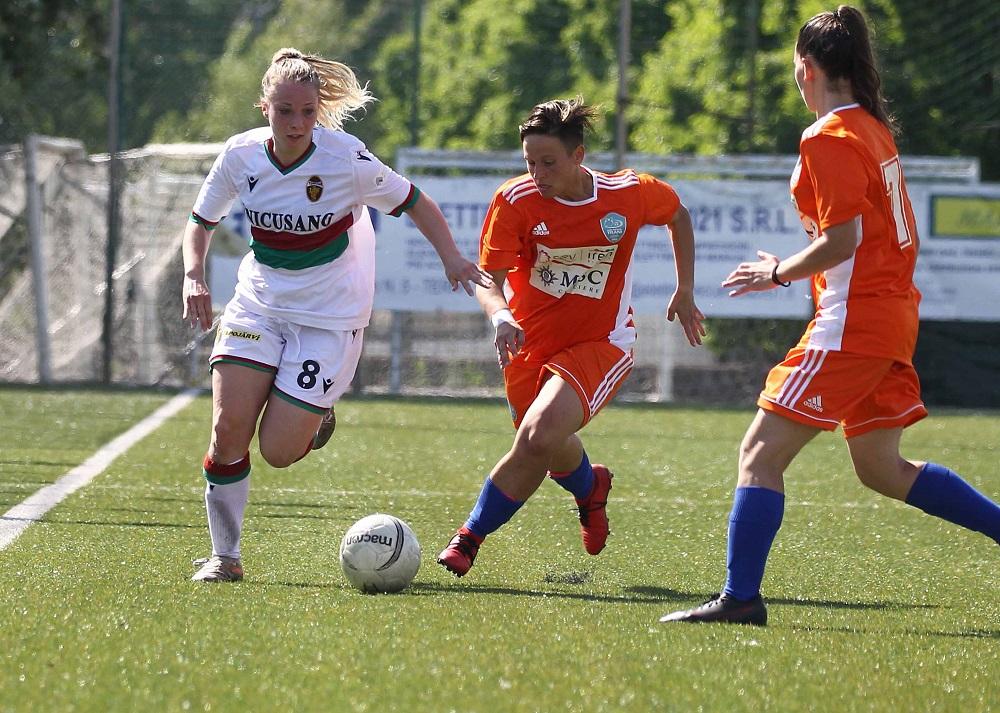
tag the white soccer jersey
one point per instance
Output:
(312, 259)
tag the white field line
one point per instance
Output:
(21, 516)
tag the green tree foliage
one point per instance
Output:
(54, 64)
(721, 79)
(51, 67)
(942, 73)
(350, 31)
(183, 46)
(706, 76)
(482, 69)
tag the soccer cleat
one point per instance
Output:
(723, 608)
(326, 428)
(461, 552)
(593, 511)
(218, 569)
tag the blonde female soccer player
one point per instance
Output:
(853, 366)
(290, 339)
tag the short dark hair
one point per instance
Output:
(566, 119)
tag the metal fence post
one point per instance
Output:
(36, 237)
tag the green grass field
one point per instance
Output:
(874, 606)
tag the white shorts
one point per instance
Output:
(312, 367)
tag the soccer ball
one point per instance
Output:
(380, 554)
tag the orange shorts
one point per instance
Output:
(595, 370)
(825, 389)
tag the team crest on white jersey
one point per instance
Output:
(314, 188)
(540, 229)
(613, 226)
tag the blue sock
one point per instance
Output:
(753, 523)
(941, 492)
(580, 481)
(493, 509)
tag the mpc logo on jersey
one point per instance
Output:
(581, 271)
(613, 226)
(314, 188)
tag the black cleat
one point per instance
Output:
(723, 608)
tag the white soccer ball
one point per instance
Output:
(380, 554)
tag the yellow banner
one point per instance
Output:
(965, 216)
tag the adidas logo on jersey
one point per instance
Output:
(815, 403)
(540, 229)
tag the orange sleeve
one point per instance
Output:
(660, 200)
(502, 236)
(840, 181)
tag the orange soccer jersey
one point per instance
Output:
(853, 366)
(569, 263)
(849, 169)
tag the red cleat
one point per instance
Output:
(593, 511)
(461, 552)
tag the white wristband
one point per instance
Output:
(501, 315)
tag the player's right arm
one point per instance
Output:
(214, 201)
(197, 298)
(508, 337)
(500, 243)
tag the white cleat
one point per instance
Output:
(218, 569)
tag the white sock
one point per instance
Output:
(225, 505)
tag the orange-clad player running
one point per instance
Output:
(853, 366)
(558, 242)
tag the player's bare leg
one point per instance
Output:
(543, 438)
(286, 431)
(768, 448)
(931, 487)
(239, 394)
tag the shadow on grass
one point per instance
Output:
(34, 463)
(631, 595)
(292, 516)
(970, 634)
(825, 603)
(99, 523)
(435, 589)
(25, 489)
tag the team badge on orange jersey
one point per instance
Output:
(613, 226)
(314, 188)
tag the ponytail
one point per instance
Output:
(340, 93)
(839, 42)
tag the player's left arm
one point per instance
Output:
(840, 182)
(834, 245)
(430, 221)
(682, 304)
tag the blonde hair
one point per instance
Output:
(340, 93)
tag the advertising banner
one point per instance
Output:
(958, 271)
